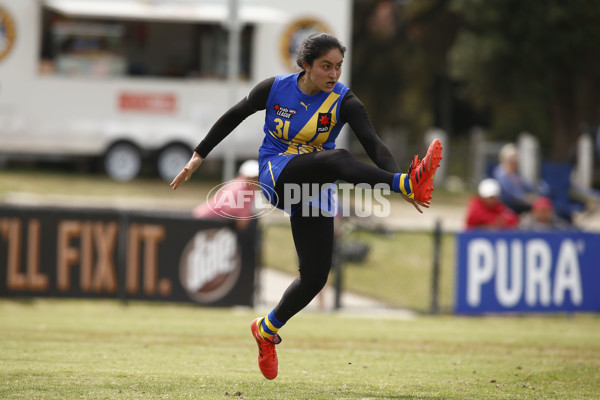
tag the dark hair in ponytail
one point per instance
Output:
(315, 46)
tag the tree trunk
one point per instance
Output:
(564, 133)
(564, 116)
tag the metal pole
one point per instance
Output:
(232, 78)
(337, 262)
(122, 247)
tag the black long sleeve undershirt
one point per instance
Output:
(352, 111)
(255, 101)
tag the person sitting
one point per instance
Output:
(487, 210)
(542, 217)
(516, 192)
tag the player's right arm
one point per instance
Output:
(186, 173)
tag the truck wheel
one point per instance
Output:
(123, 162)
(171, 161)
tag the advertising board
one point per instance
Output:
(126, 255)
(527, 272)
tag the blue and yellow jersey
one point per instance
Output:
(297, 123)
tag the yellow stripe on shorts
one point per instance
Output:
(271, 171)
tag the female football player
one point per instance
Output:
(304, 113)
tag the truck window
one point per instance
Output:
(86, 47)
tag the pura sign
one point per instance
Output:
(126, 255)
(521, 271)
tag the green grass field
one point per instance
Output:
(76, 349)
(84, 349)
(396, 281)
(87, 189)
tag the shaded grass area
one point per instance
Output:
(50, 179)
(45, 181)
(397, 269)
(72, 349)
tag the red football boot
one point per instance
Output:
(267, 355)
(421, 172)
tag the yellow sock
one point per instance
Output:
(269, 326)
(406, 185)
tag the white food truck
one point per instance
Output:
(133, 81)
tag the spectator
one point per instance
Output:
(542, 217)
(487, 210)
(516, 192)
(221, 206)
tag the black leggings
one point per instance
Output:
(313, 234)
(313, 238)
(329, 166)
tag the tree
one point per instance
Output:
(535, 63)
(399, 61)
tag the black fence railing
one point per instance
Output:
(390, 268)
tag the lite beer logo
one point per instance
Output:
(524, 270)
(210, 265)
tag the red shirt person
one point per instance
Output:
(488, 211)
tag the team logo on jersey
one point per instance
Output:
(284, 112)
(323, 122)
(7, 33)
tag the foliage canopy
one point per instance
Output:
(510, 65)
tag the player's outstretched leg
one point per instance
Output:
(267, 355)
(421, 172)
